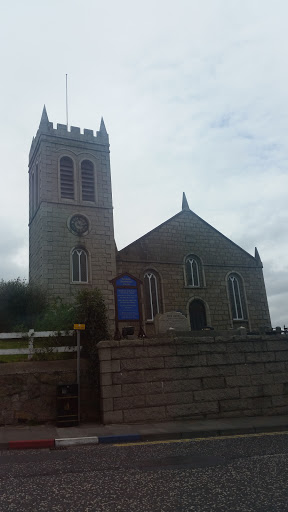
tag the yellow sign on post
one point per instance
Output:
(79, 327)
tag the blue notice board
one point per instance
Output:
(127, 303)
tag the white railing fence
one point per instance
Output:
(29, 337)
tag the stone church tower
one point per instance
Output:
(71, 235)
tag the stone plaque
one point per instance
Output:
(171, 320)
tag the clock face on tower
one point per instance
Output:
(79, 225)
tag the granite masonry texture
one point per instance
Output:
(164, 249)
(193, 377)
(50, 240)
(28, 391)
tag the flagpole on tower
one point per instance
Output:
(67, 101)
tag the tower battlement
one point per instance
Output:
(46, 127)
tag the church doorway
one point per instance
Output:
(197, 315)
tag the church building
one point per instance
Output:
(184, 265)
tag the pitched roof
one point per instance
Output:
(184, 213)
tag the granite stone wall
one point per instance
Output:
(168, 379)
(28, 391)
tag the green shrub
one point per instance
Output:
(90, 309)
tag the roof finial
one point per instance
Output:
(257, 257)
(44, 118)
(103, 127)
(185, 205)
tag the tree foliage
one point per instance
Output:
(20, 304)
(57, 316)
(90, 309)
(24, 306)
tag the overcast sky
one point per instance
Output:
(194, 97)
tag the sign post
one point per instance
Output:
(78, 328)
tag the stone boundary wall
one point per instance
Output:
(28, 391)
(181, 378)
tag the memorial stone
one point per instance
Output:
(171, 320)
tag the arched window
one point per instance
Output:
(79, 266)
(193, 271)
(66, 178)
(151, 294)
(87, 181)
(236, 296)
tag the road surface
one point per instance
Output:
(245, 473)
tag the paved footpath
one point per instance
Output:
(48, 435)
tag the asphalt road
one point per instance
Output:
(235, 474)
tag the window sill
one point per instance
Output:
(79, 282)
(194, 287)
(83, 201)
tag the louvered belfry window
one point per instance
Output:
(88, 181)
(66, 178)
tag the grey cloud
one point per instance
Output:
(197, 102)
(13, 254)
(279, 310)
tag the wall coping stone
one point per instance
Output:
(181, 340)
(68, 365)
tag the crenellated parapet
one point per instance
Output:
(46, 127)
